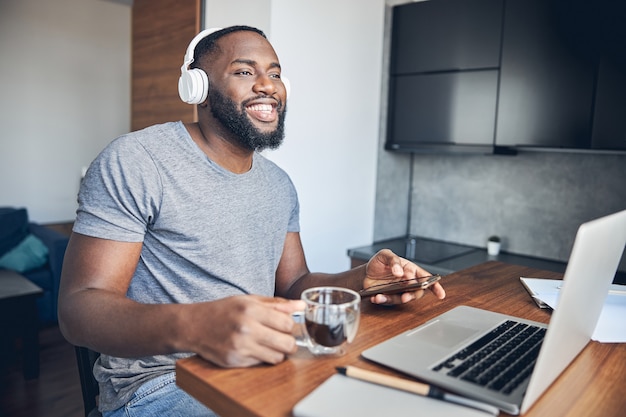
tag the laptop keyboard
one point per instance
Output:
(500, 360)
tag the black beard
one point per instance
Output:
(237, 122)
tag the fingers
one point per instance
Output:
(275, 340)
(385, 260)
(251, 330)
(290, 306)
(282, 304)
(271, 350)
(438, 290)
(405, 297)
(273, 347)
(399, 267)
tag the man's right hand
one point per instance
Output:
(243, 330)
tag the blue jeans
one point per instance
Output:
(161, 397)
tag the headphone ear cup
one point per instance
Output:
(193, 86)
(287, 85)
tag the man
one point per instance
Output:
(187, 241)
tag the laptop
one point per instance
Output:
(454, 350)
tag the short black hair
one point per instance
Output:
(208, 44)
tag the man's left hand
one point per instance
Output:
(385, 267)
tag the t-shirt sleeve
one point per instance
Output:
(120, 193)
(294, 219)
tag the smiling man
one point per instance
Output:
(186, 239)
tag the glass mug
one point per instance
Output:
(329, 321)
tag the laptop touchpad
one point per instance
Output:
(444, 334)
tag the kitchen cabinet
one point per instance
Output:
(444, 75)
(609, 123)
(446, 35)
(499, 76)
(546, 82)
(444, 109)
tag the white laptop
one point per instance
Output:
(430, 352)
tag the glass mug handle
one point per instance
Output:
(299, 331)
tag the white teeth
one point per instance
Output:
(261, 107)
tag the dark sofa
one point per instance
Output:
(47, 276)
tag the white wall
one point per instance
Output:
(65, 83)
(222, 13)
(332, 53)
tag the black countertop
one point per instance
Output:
(440, 257)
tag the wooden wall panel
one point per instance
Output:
(161, 31)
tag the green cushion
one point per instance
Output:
(29, 254)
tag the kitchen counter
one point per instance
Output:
(444, 258)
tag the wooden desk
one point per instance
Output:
(593, 385)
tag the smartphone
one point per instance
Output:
(398, 287)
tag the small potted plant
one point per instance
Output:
(493, 245)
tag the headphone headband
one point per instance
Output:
(191, 49)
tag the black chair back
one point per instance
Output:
(86, 358)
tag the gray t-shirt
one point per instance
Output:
(207, 233)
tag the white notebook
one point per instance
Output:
(340, 395)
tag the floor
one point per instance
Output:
(56, 393)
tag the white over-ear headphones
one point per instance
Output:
(193, 84)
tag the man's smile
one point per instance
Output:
(264, 112)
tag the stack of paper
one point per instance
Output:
(611, 327)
